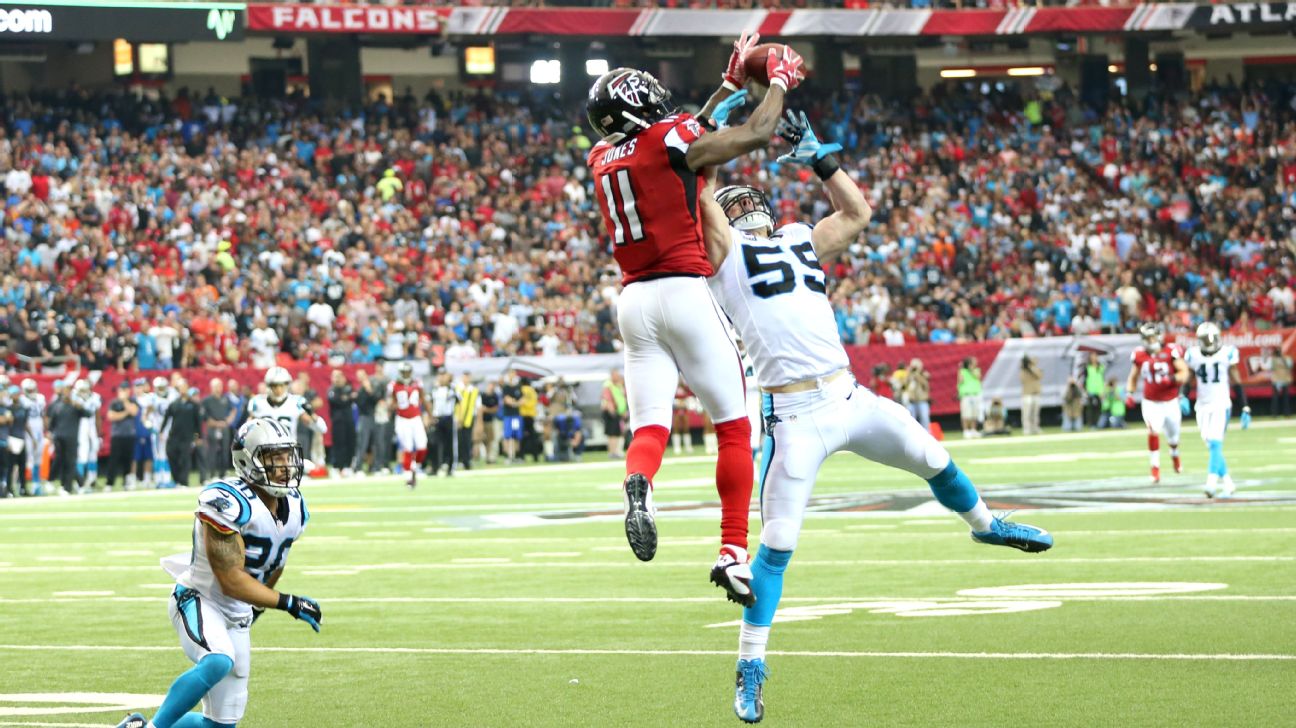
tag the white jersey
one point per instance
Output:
(35, 406)
(88, 431)
(1212, 372)
(774, 292)
(158, 405)
(230, 505)
(288, 412)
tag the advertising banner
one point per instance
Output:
(290, 18)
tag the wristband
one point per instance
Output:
(725, 82)
(708, 123)
(826, 167)
(283, 602)
(778, 83)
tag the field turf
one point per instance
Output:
(508, 597)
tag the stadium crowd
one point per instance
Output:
(202, 231)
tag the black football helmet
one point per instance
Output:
(624, 101)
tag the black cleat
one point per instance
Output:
(640, 528)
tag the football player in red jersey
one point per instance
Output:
(1163, 372)
(408, 404)
(648, 171)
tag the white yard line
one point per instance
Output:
(708, 600)
(685, 653)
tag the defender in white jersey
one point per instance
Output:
(87, 459)
(1215, 364)
(34, 401)
(771, 284)
(163, 395)
(278, 404)
(243, 530)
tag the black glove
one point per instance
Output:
(303, 608)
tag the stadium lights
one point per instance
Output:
(596, 66)
(546, 72)
(1112, 68)
(1026, 71)
(958, 72)
(1152, 67)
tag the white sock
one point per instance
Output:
(677, 440)
(1155, 456)
(752, 641)
(979, 518)
(712, 443)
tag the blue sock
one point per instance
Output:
(190, 688)
(767, 585)
(1217, 465)
(81, 470)
(198, 720)
(953, 489)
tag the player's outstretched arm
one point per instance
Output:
(784, 70)
(835, 233)
(735, 74)
(715, 224)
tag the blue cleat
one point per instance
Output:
(1017, 535)
(749, 706)
(134, 720)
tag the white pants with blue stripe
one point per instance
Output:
(205, 631)
(807, 427)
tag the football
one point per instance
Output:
(755, 62)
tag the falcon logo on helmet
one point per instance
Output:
(266, 455)
(746, 207)
(1209, 336)
(1151, 334)
(623, 102)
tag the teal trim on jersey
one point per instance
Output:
(305, 512)
(245, 507)
(191, 613)
(767, 443)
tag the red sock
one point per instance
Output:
(1154, 442)
(734, 479)
(646, 450)
(407, 459)
(420, 456)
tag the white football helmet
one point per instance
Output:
(160, 385)
(1209, 336)
(81, 388)
(405, 371)
(277, 375)
(29, 386)
(1151, 334)
(258, 442)
(754, 215)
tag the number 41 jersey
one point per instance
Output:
(774, 291)
(231, 506)
(649, 199)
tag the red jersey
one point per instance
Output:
(1157, 371)
(650, 200)
(409, 398)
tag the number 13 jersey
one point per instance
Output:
(774, 291)
(649, 199)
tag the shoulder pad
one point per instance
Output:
(225, 505)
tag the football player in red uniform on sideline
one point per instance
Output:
(1163, 372)
(411, 430)
(648, 172)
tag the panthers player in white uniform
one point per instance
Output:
(1214, 364)
(163, 395)
(278, 404)
(771, 284)
(242, 533)
(87, 460)
(34, 401)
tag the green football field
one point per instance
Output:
(508, 597)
